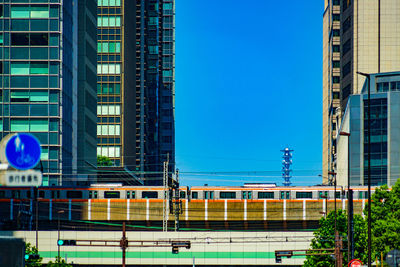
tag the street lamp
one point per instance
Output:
(336, 232)
(350, 223)
(58, 246)
(369, 163)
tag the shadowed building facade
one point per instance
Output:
(135, 86)
(40, 58)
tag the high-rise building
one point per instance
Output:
(135, 110)
(369, 42)
(385, 134)
(39, 82)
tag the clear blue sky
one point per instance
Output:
(248, 83)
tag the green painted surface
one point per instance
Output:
(167, 254)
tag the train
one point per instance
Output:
(245, 192)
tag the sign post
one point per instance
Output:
(21, 151)
(355, 263)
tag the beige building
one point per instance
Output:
(358, 36)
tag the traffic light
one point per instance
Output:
(62, 242)
(32, 257)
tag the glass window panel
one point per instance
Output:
(53, 11)
(20, 25)
(117, 129)
(39, 81)
(20, 81)
(53, 97)
(98, 129)
(39, 53)
(98, 110)
(45, 154)
(54, 125)
(111, 109)
(118, 21)
(104, 21)
(39, 96)
(99, 47)
(111, 22)
(105, 47)
(39, 110)
(1, 125)
(19, 125)
(111, 69)
(98, 150)
(99, 69)
(111, 151)
(99, 21)
(105, 2)
(19, 68)
(40, 12)
(53, 68)
(104, 129)
(111, 130)
(117, 151)
(117, 69)
(39, 25)
(54, 39)
(104, 110)
(104, 69)
(117, 88)
(112, 2)
(117, 110)
(117, 47)
(53, 25)
(112, 47)
(39, 68)
(20, 11)
(39, 126)
(118, 2)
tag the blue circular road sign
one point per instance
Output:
(23, 151)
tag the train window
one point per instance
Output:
(338, 194)
(262, 195)
(285, 194)
(95, 194)
(149, 194)
(2, 194)
(323, 194)
(246, 195)
(90, 194)
(303, 194)
(41, 194)
(53, 194)
(133, 194)
(208, 194)
(128, 194)
(28, 194)
(363, 194)
(227, 195)
(182, 194)
(15, 194)
(111, 194)
(74, 194)
(195, 195)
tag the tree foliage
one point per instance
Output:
(30, 250)
(103, 161)
(59, 262)
(385, 220)
(324, 238)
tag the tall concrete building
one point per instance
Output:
(135, 86)
(358, 36)
(39, 81)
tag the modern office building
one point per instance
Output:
(369, 42)
(135, 85)
(39, 82)
(385, 134)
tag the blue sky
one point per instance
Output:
(248, 83)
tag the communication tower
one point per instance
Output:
(286, 162)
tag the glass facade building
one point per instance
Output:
(38, 80)
(385, 134)
(135, 85)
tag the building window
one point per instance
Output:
(108, 68)
(29, 125)
(109, 21)
(195, 195)
(109, 110)
(335, 95)
(109, 2)
(24, 11)
(336, 64)
(336, 48)
(336, 79)
(105, 129)
(21, 68)
(109, 151)
(109, 47)
(336, 17)
(336, 33)
(167, 6)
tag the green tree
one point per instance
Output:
(103, 161)
(324, 238)
(59, 262)
(385, 220)
(30, 250)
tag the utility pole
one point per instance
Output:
(177, 201)
(123, 244)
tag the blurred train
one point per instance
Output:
(245, 192)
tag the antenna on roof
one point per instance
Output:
(286, 162)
